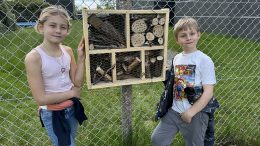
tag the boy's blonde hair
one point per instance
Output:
(52, 10)
(184, 24)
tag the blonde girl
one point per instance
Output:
(54, 76)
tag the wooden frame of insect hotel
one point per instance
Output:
(125, 47)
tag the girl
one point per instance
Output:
(53, 75)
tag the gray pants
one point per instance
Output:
(172, 123)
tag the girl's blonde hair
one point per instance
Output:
(184, 24)
(52, 10)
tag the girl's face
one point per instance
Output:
(188, 39)
(55, 29)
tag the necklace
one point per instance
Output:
(62, 69)
(59, 60)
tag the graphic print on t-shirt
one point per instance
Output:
(184, 77)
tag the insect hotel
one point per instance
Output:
(125, 46)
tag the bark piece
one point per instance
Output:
(158, 66)
(106, 28)
(103, 73)
(133, 65)
(147, 64)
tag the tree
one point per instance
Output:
(7, 18)
(27, 10)
(106, 4)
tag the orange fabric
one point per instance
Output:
(60, 106)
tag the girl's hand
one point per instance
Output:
(81, 50)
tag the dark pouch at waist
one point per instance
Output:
(193, 93)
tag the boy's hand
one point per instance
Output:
(186, 116)
(81, 49)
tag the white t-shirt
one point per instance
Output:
(193, 69)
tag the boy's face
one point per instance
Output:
(188, 39)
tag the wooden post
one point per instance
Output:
(127, 115)
(126, 94)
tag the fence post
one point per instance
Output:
(127, 114)
(126, 93)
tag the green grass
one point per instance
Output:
(237, 121)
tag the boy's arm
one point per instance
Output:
(208, 80)
(199, 104)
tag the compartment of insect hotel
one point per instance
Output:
(154, 60)
(128, 65)
(147, 29)
(125, 46)
(106, 31)
(101, 68)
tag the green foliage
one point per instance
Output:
(25, 10)
(106, 4)
(7, 18)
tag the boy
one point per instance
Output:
(196, 71)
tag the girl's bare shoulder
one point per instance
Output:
(32, 57)
(68, 49)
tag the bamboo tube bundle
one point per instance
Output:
(151, 26)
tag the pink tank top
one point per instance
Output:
(56, 77)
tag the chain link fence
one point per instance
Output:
(230, 36)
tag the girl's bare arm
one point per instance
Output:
(77, 72)
(34, 77)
